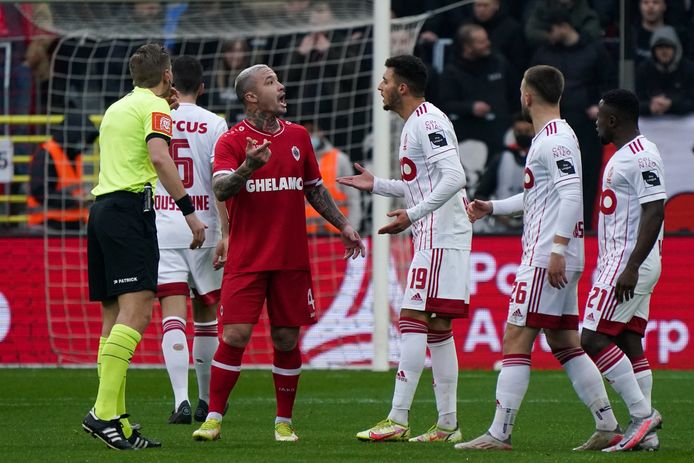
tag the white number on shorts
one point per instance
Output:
(311, 302)
(420, 276)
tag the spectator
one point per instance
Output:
(25, 63)
(235, 58)
(581, 17)
(587, 70)
(505, 33)
(56, 197)
(333, 163)
(503, 177)
(652, 18)
(326, 77)
(478, 89)
(665, 82)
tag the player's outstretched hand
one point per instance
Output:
(478, 209)
(198, 229)
(364, 181)
(400, 224)
(220, 253)
(626, 282)
(257, 156)
(556, 271)
(354, 246)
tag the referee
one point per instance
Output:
(123, 253)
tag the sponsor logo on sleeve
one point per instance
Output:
(566, 166)
(437, 139)
(162, 123)
(651, 178)
(560, 151)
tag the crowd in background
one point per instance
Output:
(476, 53)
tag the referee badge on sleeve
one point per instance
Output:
(162, 123)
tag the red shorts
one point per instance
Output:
(289, 296)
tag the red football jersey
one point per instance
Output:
(267, 219)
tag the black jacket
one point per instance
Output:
(488, 79)
(507, 38)
(587, 70)
(674, 80)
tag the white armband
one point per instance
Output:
(559, 248)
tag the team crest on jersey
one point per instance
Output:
(651, 178)
(566, 166)
(608, 202)
(296, 153)
(408, 169)
(437, 139)
(528, 179)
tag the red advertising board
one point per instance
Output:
(66, 330)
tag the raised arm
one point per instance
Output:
(225, 185)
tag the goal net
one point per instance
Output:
(322, 52)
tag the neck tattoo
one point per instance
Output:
(266, 122)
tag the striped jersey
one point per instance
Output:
(633, 176)
(554, 159)
(195, 132)
(427, 137)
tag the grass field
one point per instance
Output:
(41, 413)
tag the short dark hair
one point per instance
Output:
(187, 73)
(547, 81)
(623, 102)
(147, 65)
(410, 70)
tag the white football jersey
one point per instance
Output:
(428, 136)
(633, 176)
(195, 132)
(554, 159)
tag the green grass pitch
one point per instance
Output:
(41, 412)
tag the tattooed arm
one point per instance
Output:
(321, 200)
(319, 197)
(226, 186)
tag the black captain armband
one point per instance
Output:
(185, 204)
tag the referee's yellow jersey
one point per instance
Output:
(125, 129)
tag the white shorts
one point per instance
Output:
(438, 281)
(184, 270)
(605, 315)
(535, 303)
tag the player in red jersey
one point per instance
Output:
(268, 254)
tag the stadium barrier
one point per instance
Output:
(30, 334)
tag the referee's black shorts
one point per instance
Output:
(122, 247)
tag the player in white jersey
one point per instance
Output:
(630, 236)
(544, 295)
(437, 287)
(182, 270)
